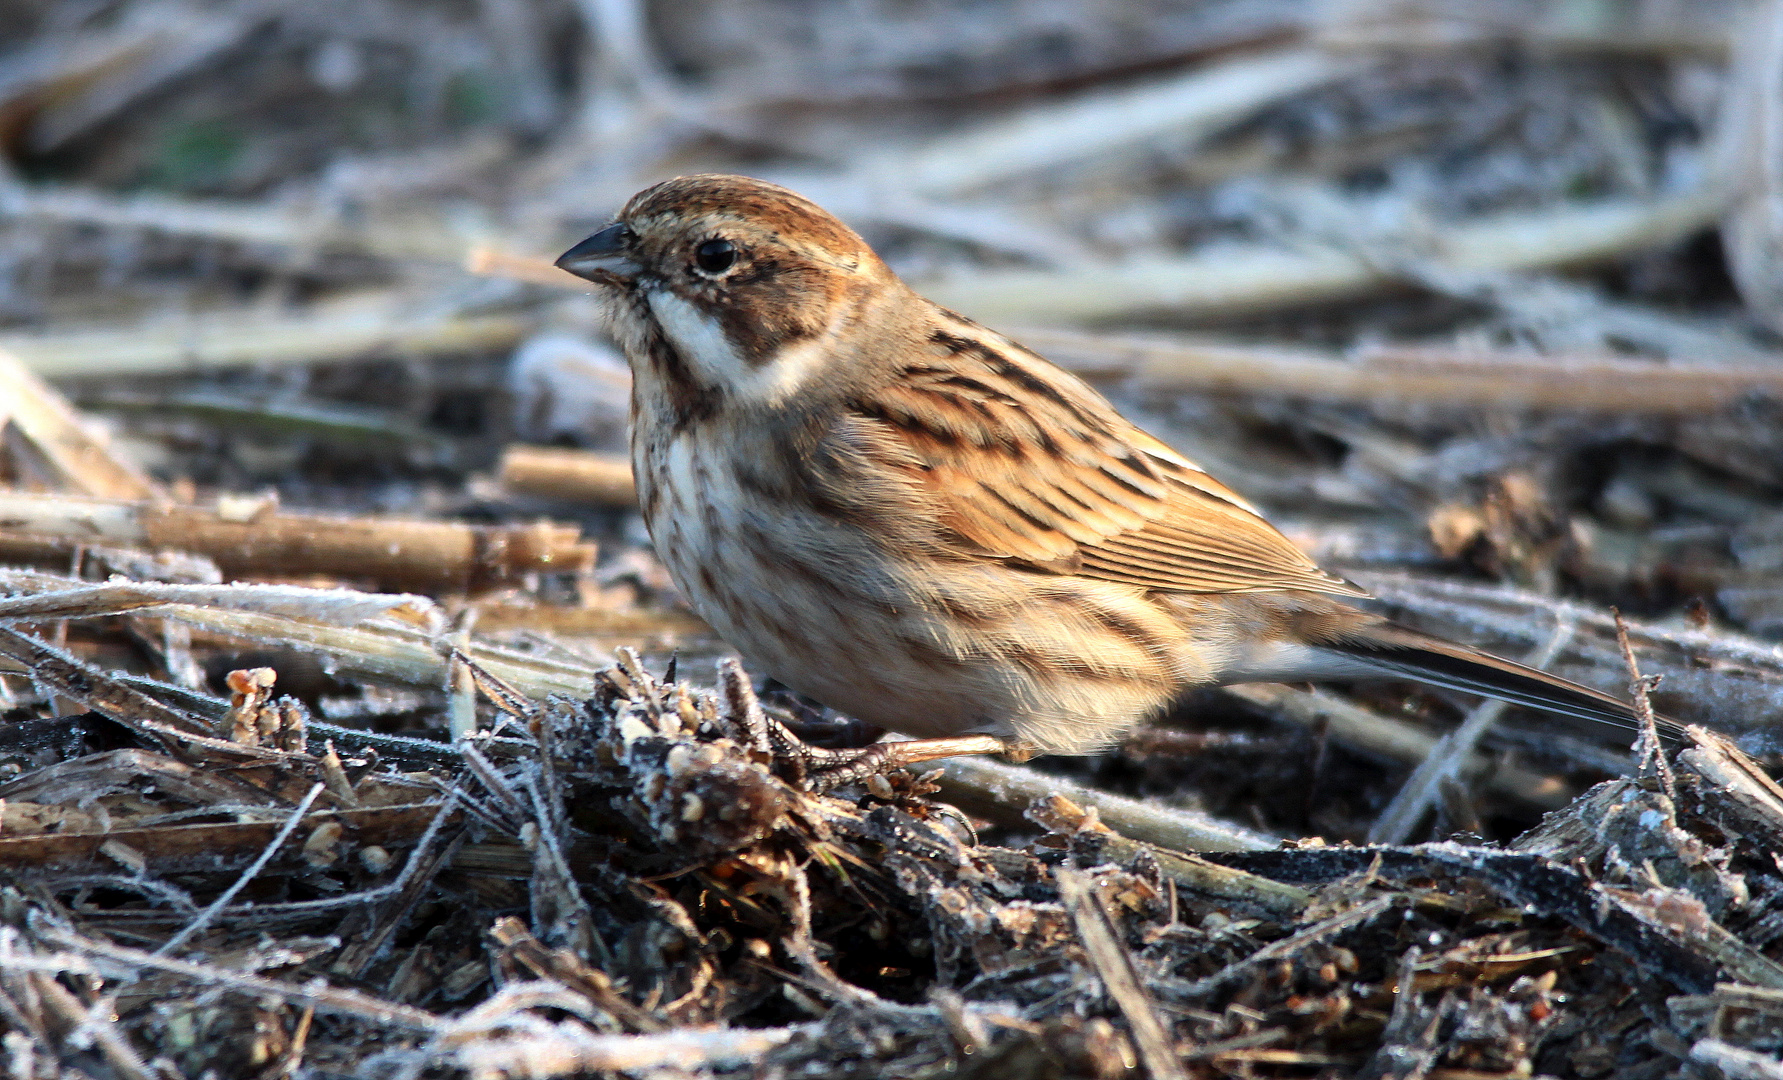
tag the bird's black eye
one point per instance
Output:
(715, 256)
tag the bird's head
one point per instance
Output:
(755, 288)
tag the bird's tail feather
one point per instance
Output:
(1400, 652)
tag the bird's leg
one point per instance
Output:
(885, 756)
(825, 769)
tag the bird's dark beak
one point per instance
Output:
(604, 257)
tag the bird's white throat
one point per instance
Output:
(700, 339)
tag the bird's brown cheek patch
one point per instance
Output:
(767, 308)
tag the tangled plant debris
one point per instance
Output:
(619, 882)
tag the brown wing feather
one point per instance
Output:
(1021, 461)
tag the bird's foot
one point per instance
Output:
(824, 769)
(821, 768)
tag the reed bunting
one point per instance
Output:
(922, 524)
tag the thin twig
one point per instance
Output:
(1457, 377)
(1649, 751)
(316, 992)
(84, 461)
(579, 476)
(1113, 966)
(1226, 279)
(1288, 946)
(218, 905)
(237, 337)
(1101, 122)
(253, 537)
(1207, 879)
(100, 1021)
(406, 891)
(1391, 738)
(565, 1052)
(1005, 793)
(512, 808)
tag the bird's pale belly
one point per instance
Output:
(929, 649)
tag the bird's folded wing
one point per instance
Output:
(1020, 461)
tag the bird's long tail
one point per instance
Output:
(1388, 649)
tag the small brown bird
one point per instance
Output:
(922, 524)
